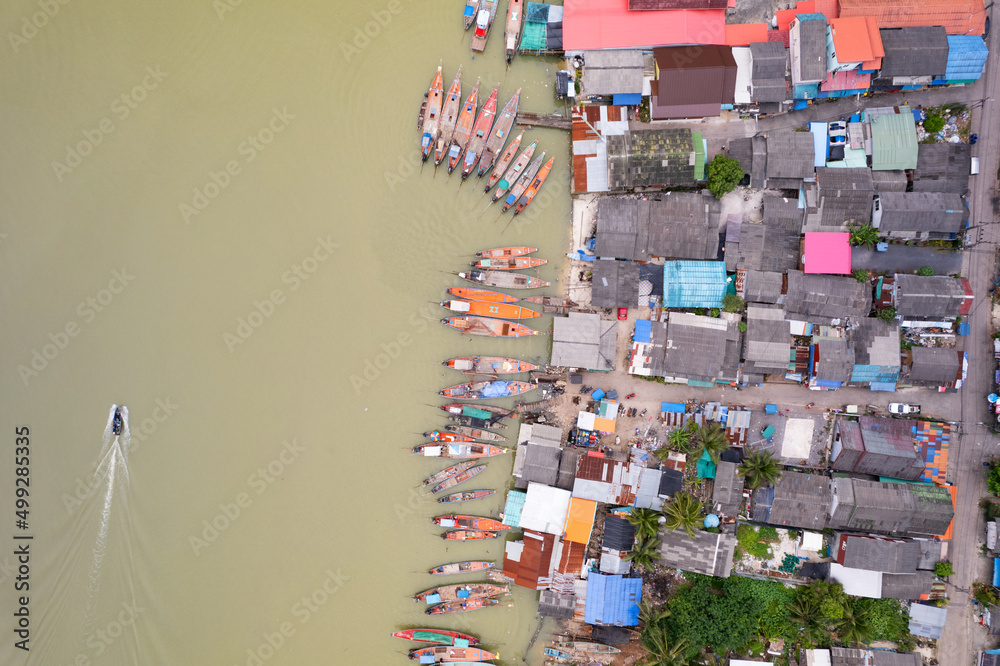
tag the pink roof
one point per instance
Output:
(608, 24)
(851, 80)
(742, 34)
(827, 253)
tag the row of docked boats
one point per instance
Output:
(482, 13)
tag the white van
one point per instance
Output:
(975, 166)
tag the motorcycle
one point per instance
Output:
(630, 396)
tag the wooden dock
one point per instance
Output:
(544, 120)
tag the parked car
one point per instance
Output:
(903, 408)
(622, 314)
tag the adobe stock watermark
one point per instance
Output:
(223, 7)
(121, 108)
(248, 150)
(363, 35)
(374, 367)
(140, 432)
(405, 167)
(302, 610)
(30, 26)
(258, 482)
(293, 277)
(88, 309)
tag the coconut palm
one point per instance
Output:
(680, 439)
(645, 521)
(854, 626)
(759, 468)
(865, 235)
(683, 511)
(804, 615)
(644, 553)
(661, 652)
(710, 438)
(650, 614)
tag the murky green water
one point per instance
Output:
(211, 214)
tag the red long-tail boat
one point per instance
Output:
(498, 137)
(480, 133)
(536, 185)
(449, 118)
(432, 116)
(463, 129)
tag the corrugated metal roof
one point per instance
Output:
(618, 534)
(650, 158)
(684, 225)
(763, 287)
(801, 500)
(606, 24)
(790, 155)
(943, 167)
(513, 507)
(583, 340)
(728, 490)
(931, 297)
(935, 366)
(580, 520)
(959, 17)
(889, 181)
(811, 45)
(647, 492)
(936, 214)
(742, 34)
(696, 346)
(613, 600)
(894, 141)
(856, 39)
(646, 5)
(528, 562)
(767, 339)
(706, 553)
(967, 55)
(692, 85)
(826, 299)
(553, 604)
(873, 554)
(827, 253)
(615, 284)
(927, 621)
(612, 71)
(545, 509)
(694, 284)
(914, 51)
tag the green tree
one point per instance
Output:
(805, 617)
(944, 569)
(645, 521)
(662, 652)
(933, 123)
(886, 618)
(683, 511)
(650, 614)
(711, 438)
(886, 314)
(732, 303)
(724, 174)
(742, 326)
(925, 271)
(853, 626)
(861, 275)
(866, 235)
(993, 478)
(760, 467)
(680, 439)
(644, 553)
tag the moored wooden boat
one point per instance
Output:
(497, 328)
(484, 21)
(512, 30)
(462, 606)
(480, 133)
(443, 636)
(483, 309)
(485, 295)
(494, 365)
(463, 522)
(552, 652)
(449, 472)
(463, 128)
(504, 252)
(465, 496)
(514, 172)
(498, 137)
(498, 388)
(587, 647)
(508, 155)
(438, 436)
(510, 263)
(469, 535)
(445, 654)
(551, 301)
(471, 9)
(458, 479)
(432, 116)
(452, 568)
(479, 411)
(473, 422)
(449, 118)
(522, 183)
(458, 450)
(436, 595)
(477, 433)
(535, 186)
(503, 279)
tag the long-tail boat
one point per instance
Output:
(498, 137)
(502, 163)
(449, 118)
(469, 535)
(473, 422)
(461, 591)
(505, 252)
(510, 263)
(471, 9)
(513, 28)
(498, 388)
(559, 654)
(480, 133)
(463, 522)
(477, 410)
(462, 606)
(482, 309)
(465, 496)
(489, 327)
(458, 479)
(477, 433)
(473, 294)
(588, 647)
(463, 129)
(494, 365)
(444, 654)
(452, 568)
(484, 21)
(514, 172)
(443, 636)
(458, 450)
(432, 116)
(536, 185)
(449, 472)
(522, 183)
(503, 279)
(438, 436)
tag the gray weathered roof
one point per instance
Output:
(938, 213)
(707, 553)
(875, 342)
(684, 225)
(615, 284)
(728, 489)
(541, 464)
(942, 167)
(929, 296)
(841, 197)
(801, 500)
(914, 51)
(758, 171)
(769, 59)
(650, 158)
(583, 340)
(622, 228)
(933, 510)
(695, 346)
(741, 150)
(873, 554)
(886, 658)
(789, 155)
(612, 71)
(619, 534)
(768, 340)
(834, 361)
(927, 621)
(906, 586)
(889, 180)
(553, 604)
(772, 245)
(826, 299)
(763, 287)
(935, 365)
(880, 507)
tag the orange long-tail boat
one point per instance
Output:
(453, 607)
(505, 252)
(438, 436)
(505, 159)
(443, 654)
(459, 450)
(463, 129)
(459, 521)
(494, 328)
(490, 365)
(471, 566)
(518, 188)
(501, 129)
(486, 390)
(449, 118)
(484, 295)
(469, 535)
(514, 171)
(480, 134)
(510, 263)
(536, 185)
(432, 116)
(501, 310)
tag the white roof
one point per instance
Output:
(818, 658)
(586, 420)
(545, 509)
(798, 438)
(812, 541)
(747, 662)
(857, 582)
(744, 70)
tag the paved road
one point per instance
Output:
(906, 259)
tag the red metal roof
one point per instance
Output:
(959, 17)
(778, 36)
(785, 16)
(828, 8)
(851, 80)
(967, 303)
(742, 34)
(572, 557)
(606, 24)
(645, 5)
(857, 39)
(534, 562)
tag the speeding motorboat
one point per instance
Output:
(116, 424)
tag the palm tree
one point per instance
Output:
(661, 652)
(645, 521)
(650, 615)
(853, 627)
(683, 511)
(866, 235)
(680, 439)
(760, 467)
(710, 438)
(804, 615)
(645, 552)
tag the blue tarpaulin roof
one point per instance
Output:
(613, 600)
(706, 468)
(694, 284)
(996, 572)
(963, 328)
(627, 99)
(967, 56)
(512, 509)
(821, 144)
(643, 330)
(672, 407)
(770, 409)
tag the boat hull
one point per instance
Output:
(458, 479)
(469, 535)
(466, 496)
(494, 365)
(503, 279)
(450, 654)
(443, 636)
(505, 252)
(509, 263)
(501, 130)
(479, 523)
(514, 172)
(484, 295)
(438, 436)
(461, 606)
(475, 390)
(480, 131)
(533, 189)
(454, 592)
(450, 109)
(497, 310)
(478, 433)
(432, 116)
(449, 472)
(452, 568)
(458, 450)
